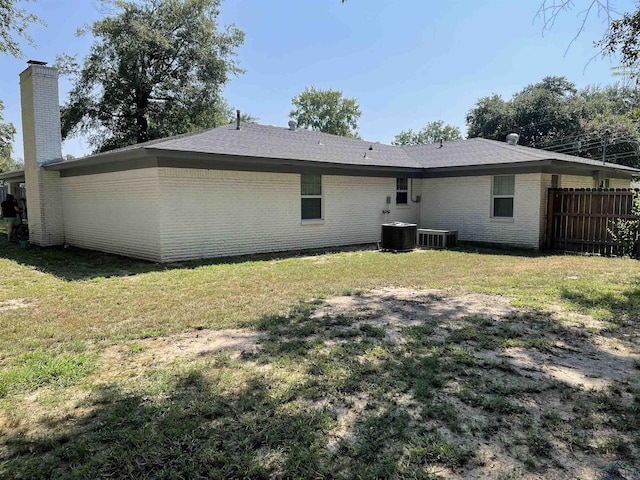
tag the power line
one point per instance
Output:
(586, 143)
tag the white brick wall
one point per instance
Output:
(587, 181)
(575, 181)
(464, 204)
(114, 212)
(619, 183)
(208, 213)
(42, 145)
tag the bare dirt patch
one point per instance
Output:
(130, 359)
(546, 360)
(577, 357)
(14, 304)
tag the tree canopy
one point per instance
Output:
(14, 22)
(432, 132)
(7, 132)
(156, 68)
(554, 115)
(327, 111)
(623, 37)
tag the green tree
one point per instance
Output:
(14, 21)
(7, 132)
(553, 115)
(546, 112)
(623, 38)
(431, 133)
(619, 132)
(156, 68)
(540, 113)
(327, 111)
(490, 118)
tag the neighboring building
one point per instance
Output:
(248, 188)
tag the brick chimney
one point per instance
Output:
(42, 146)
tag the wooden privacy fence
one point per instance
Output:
(578, 220)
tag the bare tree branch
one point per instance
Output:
(550, 10)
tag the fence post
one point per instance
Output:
(549, 236)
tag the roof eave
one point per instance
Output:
(554, 166)
(487, 169)
(13, 176)
(100, 159)
(567, 166)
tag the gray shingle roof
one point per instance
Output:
(262, 141)
(480, 151)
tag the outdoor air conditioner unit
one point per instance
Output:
(399, 236)
(429, 238)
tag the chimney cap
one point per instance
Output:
(36, 62)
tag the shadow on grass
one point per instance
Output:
(481, 248)
(193, 431)
(621, 307)
(73, 264)
(334, 397)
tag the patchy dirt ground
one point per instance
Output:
(523, 393)
(564, 348)
(13, 304)
(579, 357)
(130, 360)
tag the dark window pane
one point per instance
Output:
(401, 198)
(311, 184)
(402, 184)
(554, 181)
(503, 207)
(311, 208)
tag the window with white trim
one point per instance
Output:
(502, 196)
(402, 191)
(311, 197)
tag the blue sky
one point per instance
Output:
(407, 63)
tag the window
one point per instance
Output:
(555, 181)
(402, 191)
(503, 189)
(311, 192)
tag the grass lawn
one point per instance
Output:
(359, 364)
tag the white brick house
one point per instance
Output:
(242, 189)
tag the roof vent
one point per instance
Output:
(512, 138)
(292, 125)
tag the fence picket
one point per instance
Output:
(579, 219)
